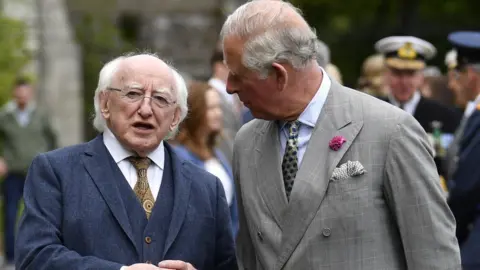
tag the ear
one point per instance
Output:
(104, 104)
(176, 119)
(281, 75)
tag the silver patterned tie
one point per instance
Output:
(290, 160)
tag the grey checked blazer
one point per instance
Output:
(393, 216)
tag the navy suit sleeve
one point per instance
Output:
(225, 248)
(463, 197)
(39, 242)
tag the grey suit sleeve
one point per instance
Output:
(39, 242)
(245, 250)
(417, 202)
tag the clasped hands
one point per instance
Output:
(163, 265)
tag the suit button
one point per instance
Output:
(326, 232)
(148, 262)
(148, 240)
(260, 236)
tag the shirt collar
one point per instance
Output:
(471, 105)
(12, 107)
(409, 105)
(310, 115)
(119, 153)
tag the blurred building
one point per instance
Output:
(184, 32)
(181, 31)
(56, 63)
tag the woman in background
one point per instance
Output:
(197, 137)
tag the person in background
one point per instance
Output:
(466, 97)
(334, 72)
(198, 137)
(323, 54)
(25, 131)
(233, 111)
(464, 192)
(429, 73)
(405, 60)
(372, 80)
(461, 100)
(324, 60)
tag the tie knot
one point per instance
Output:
(292, 127)
(139, 162)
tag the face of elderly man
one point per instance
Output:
(268, 95)
(140, 106)
(258, 94)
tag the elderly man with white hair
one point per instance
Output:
(124, 200)
(326, 177)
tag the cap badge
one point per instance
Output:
(407, 51)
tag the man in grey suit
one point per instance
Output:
(327, 177)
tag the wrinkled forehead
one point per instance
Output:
(145, 76)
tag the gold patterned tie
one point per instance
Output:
(290, 160)
(142, 188)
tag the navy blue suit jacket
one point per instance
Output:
(75, 218)
(464, 198)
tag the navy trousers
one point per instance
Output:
(12, 194)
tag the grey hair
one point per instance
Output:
(107, 73)
(269, 38)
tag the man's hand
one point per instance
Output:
(175, 265)
(3, 167)
(141, 266)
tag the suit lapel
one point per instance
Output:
(319, 161)
(182, 184)
(95, 160)
(268, 169)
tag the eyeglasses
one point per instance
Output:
(133, 96)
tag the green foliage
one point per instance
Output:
(14, 54)
(351, 27)
(100, 42)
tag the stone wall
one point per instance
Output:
(184, 32)
(60, 82)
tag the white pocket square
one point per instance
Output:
(348, 169)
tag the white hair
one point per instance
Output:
(107, 73)
(270, 36)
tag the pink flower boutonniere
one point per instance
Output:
(337, 142)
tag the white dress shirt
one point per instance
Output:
(409, 106)
(308, 119)
(120, 155)
(471, 105)
(214, 167)
(22, 116)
